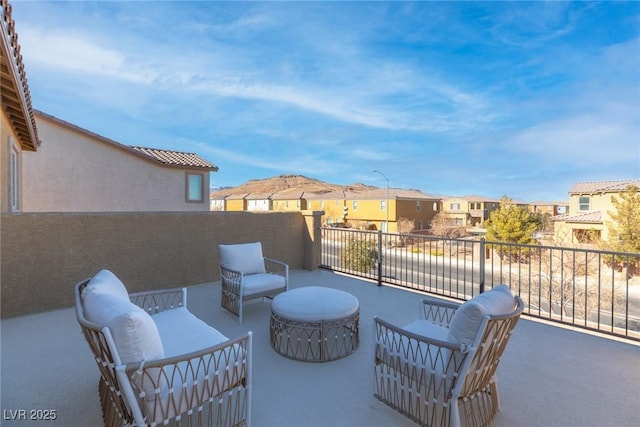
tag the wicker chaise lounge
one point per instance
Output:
(158, 363)
(440, 370)
(245, 274)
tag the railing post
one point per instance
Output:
(379, 257)
(482, 262)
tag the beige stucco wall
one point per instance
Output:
(75, 171)
(45, 254)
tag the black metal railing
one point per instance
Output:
(587, 288)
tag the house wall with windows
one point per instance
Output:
(590, 207)
(79, 171)
(18, 129)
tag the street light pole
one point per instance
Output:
(386, 226)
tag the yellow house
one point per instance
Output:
(18, 129)
(468, 211)
(292, 200)
(589, 206)
(333, 204)
(550, 208)
(382, 209)
(235, 202)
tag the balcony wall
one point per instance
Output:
(44, 255)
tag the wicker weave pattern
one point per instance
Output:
(210, 387)
(437, 383)
(320, 341)
(231, 281)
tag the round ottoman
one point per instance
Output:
(315, 324)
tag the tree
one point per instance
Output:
(442, 226)
(624, 229)
(359, 254)
(511, 224)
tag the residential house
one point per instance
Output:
(332, 203)
(590, 207)
(80, 171)
(550, 208)
(289, 200)
(468, 211)
(235, 202)
(18, 129)
(383, 209)
(258, 202)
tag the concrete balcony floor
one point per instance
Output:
(549, 375)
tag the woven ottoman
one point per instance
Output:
(315, 324)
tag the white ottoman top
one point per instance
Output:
(314, 303)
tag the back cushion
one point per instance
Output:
(468, 317)
(244, 257)
(135, 334)
(105, 283)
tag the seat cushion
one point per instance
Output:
(257, 283)
(106, 283)
(245, 257)
(468, 317)
(134, 332)
(181, 332)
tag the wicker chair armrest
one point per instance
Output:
(170, 386)
(276, 266)
(159, 300)
(432, 342)
(438, 311)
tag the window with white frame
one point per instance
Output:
(14, 177)
(455, 206)
(355, 205)
(383, 205)
(435, 206)
(417, 205)
(584, 203)
(195, 187)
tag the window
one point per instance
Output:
(195, 187)
(455, 206)
(418, 206)
(322, 204)
(435, 206)
(383, 205)
(355, 205)
(14, 177)
(583, 203)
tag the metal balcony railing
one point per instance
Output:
(587, 288)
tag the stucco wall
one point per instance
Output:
(74, 171)
(45, 255)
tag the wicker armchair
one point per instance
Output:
(246, 274)
(440, 370)
(151, 372)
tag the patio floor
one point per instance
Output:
(549, 375)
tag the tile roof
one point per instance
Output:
(176, 158)
(586, 217)
(394, 193)
(602, 186)
(14, 88)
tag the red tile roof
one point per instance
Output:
(602, 186)
(176, 158)
(16, 98)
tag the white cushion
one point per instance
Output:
(263, 282)
(468, 317)
(105, 282)
(181, 332)
(245, 257)
(314, 303)
(427, 329)
(134, 332)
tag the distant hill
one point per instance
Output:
(287, 183)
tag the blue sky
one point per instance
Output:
(452, 98)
